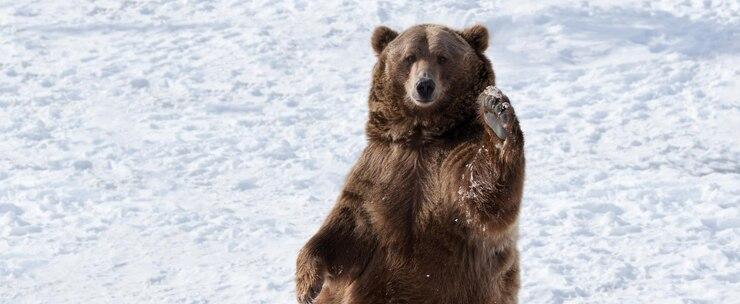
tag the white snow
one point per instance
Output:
(183, 151)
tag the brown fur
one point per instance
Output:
(428, 213)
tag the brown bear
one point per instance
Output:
(428, 213)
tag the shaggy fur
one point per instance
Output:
(428, 213)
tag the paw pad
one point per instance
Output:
(497, 110)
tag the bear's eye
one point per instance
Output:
(441, 59)
(409, 59)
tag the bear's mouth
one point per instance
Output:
(421, 102)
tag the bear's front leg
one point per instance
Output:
(338, 250)
(494, 177)
(487, 174)
(310, 271)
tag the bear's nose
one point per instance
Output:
(425, 88)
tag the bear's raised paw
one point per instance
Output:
(497, 111)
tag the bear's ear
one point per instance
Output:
(477, 37)
(382, 36)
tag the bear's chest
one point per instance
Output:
(406, 192)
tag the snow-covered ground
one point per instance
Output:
(183, 151)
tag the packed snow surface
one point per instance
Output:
(183, 151)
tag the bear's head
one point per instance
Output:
(426, 81)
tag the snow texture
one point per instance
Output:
(183, 151)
